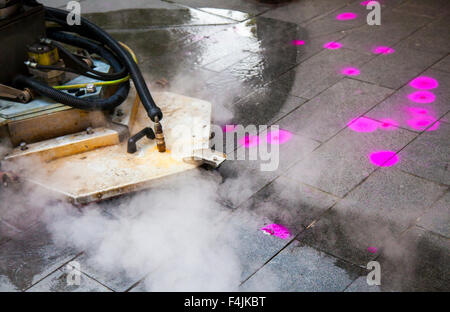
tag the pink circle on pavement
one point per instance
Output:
(297, 42)
(372, 249)
(384, 158)
(350, 71)
(423, 97)
(332, 45)
(346, 16)
(278, 137)
(363, 124)
(249, 141)
(276, 230)
(424, 83)
(383, 50)
(388, 124)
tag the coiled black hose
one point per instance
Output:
(92, 31)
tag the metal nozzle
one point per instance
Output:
(159, 135)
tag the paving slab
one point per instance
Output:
(428, 155)
(372, 216)
(396, 69)
(31, 256)
(394, 27)
(323, 70)
(419, 261)
(323, 116)
(242, 178)
(432, 38)
(412, 115)
(360, 285)
(290, 203)
(443, 65)
(302, 268)
(250, 7)
(432, 8)
(437, 219)
(57, 282)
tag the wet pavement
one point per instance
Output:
(344, 201)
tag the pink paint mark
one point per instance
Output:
(278, 137)
(372, 249)
(350, 71)
(383, 50)
(365, 3)
(229, 128)
(384, 158)
(417, 111)
(423, 97)
(388, 124)
(332, 45)
(249, 141)
(276, 230)
(297, 42)
(363, 124)
(346, 16)
(424, 83)
(420, 123)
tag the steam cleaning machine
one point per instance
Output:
(71, 121)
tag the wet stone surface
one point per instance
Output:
(343, 203)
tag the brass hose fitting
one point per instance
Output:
(160, 141)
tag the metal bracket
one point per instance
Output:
(14, 94)
(148, 132)
(206, 156)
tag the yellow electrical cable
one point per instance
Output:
(102, 83)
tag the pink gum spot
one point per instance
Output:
(420, 123)
(249, 141)
(332, 45)
(350, 71)
(423, 97)
(417, 111)
(424, 83)
(363, 124)
(297, 42)
(278, 137)
(372, 249)
(346, 16)
(384, 158)
(276, 230)
(383, 50)
(388, 124)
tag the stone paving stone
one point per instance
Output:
(323, 70)
(340, 164)
(437, 219)
(302, 268)
(372, 215)
(115, 280)
(394, 27)
(239, 5)
(433, 38)
(443, 65)
(329, 112)
(135, 17)
(6, 285)
(289, 203)
(360, 285)
(301, 11)
(31, 256)
(432, 8)
(57, 282)
(396, 69)
(419, 261)
(242, 178)
(403, 111)
(428, 155)
(7, 232)
(252, 247)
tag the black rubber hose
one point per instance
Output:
(94, 32)
(67, 99)
(86, 68)
(86, 104)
